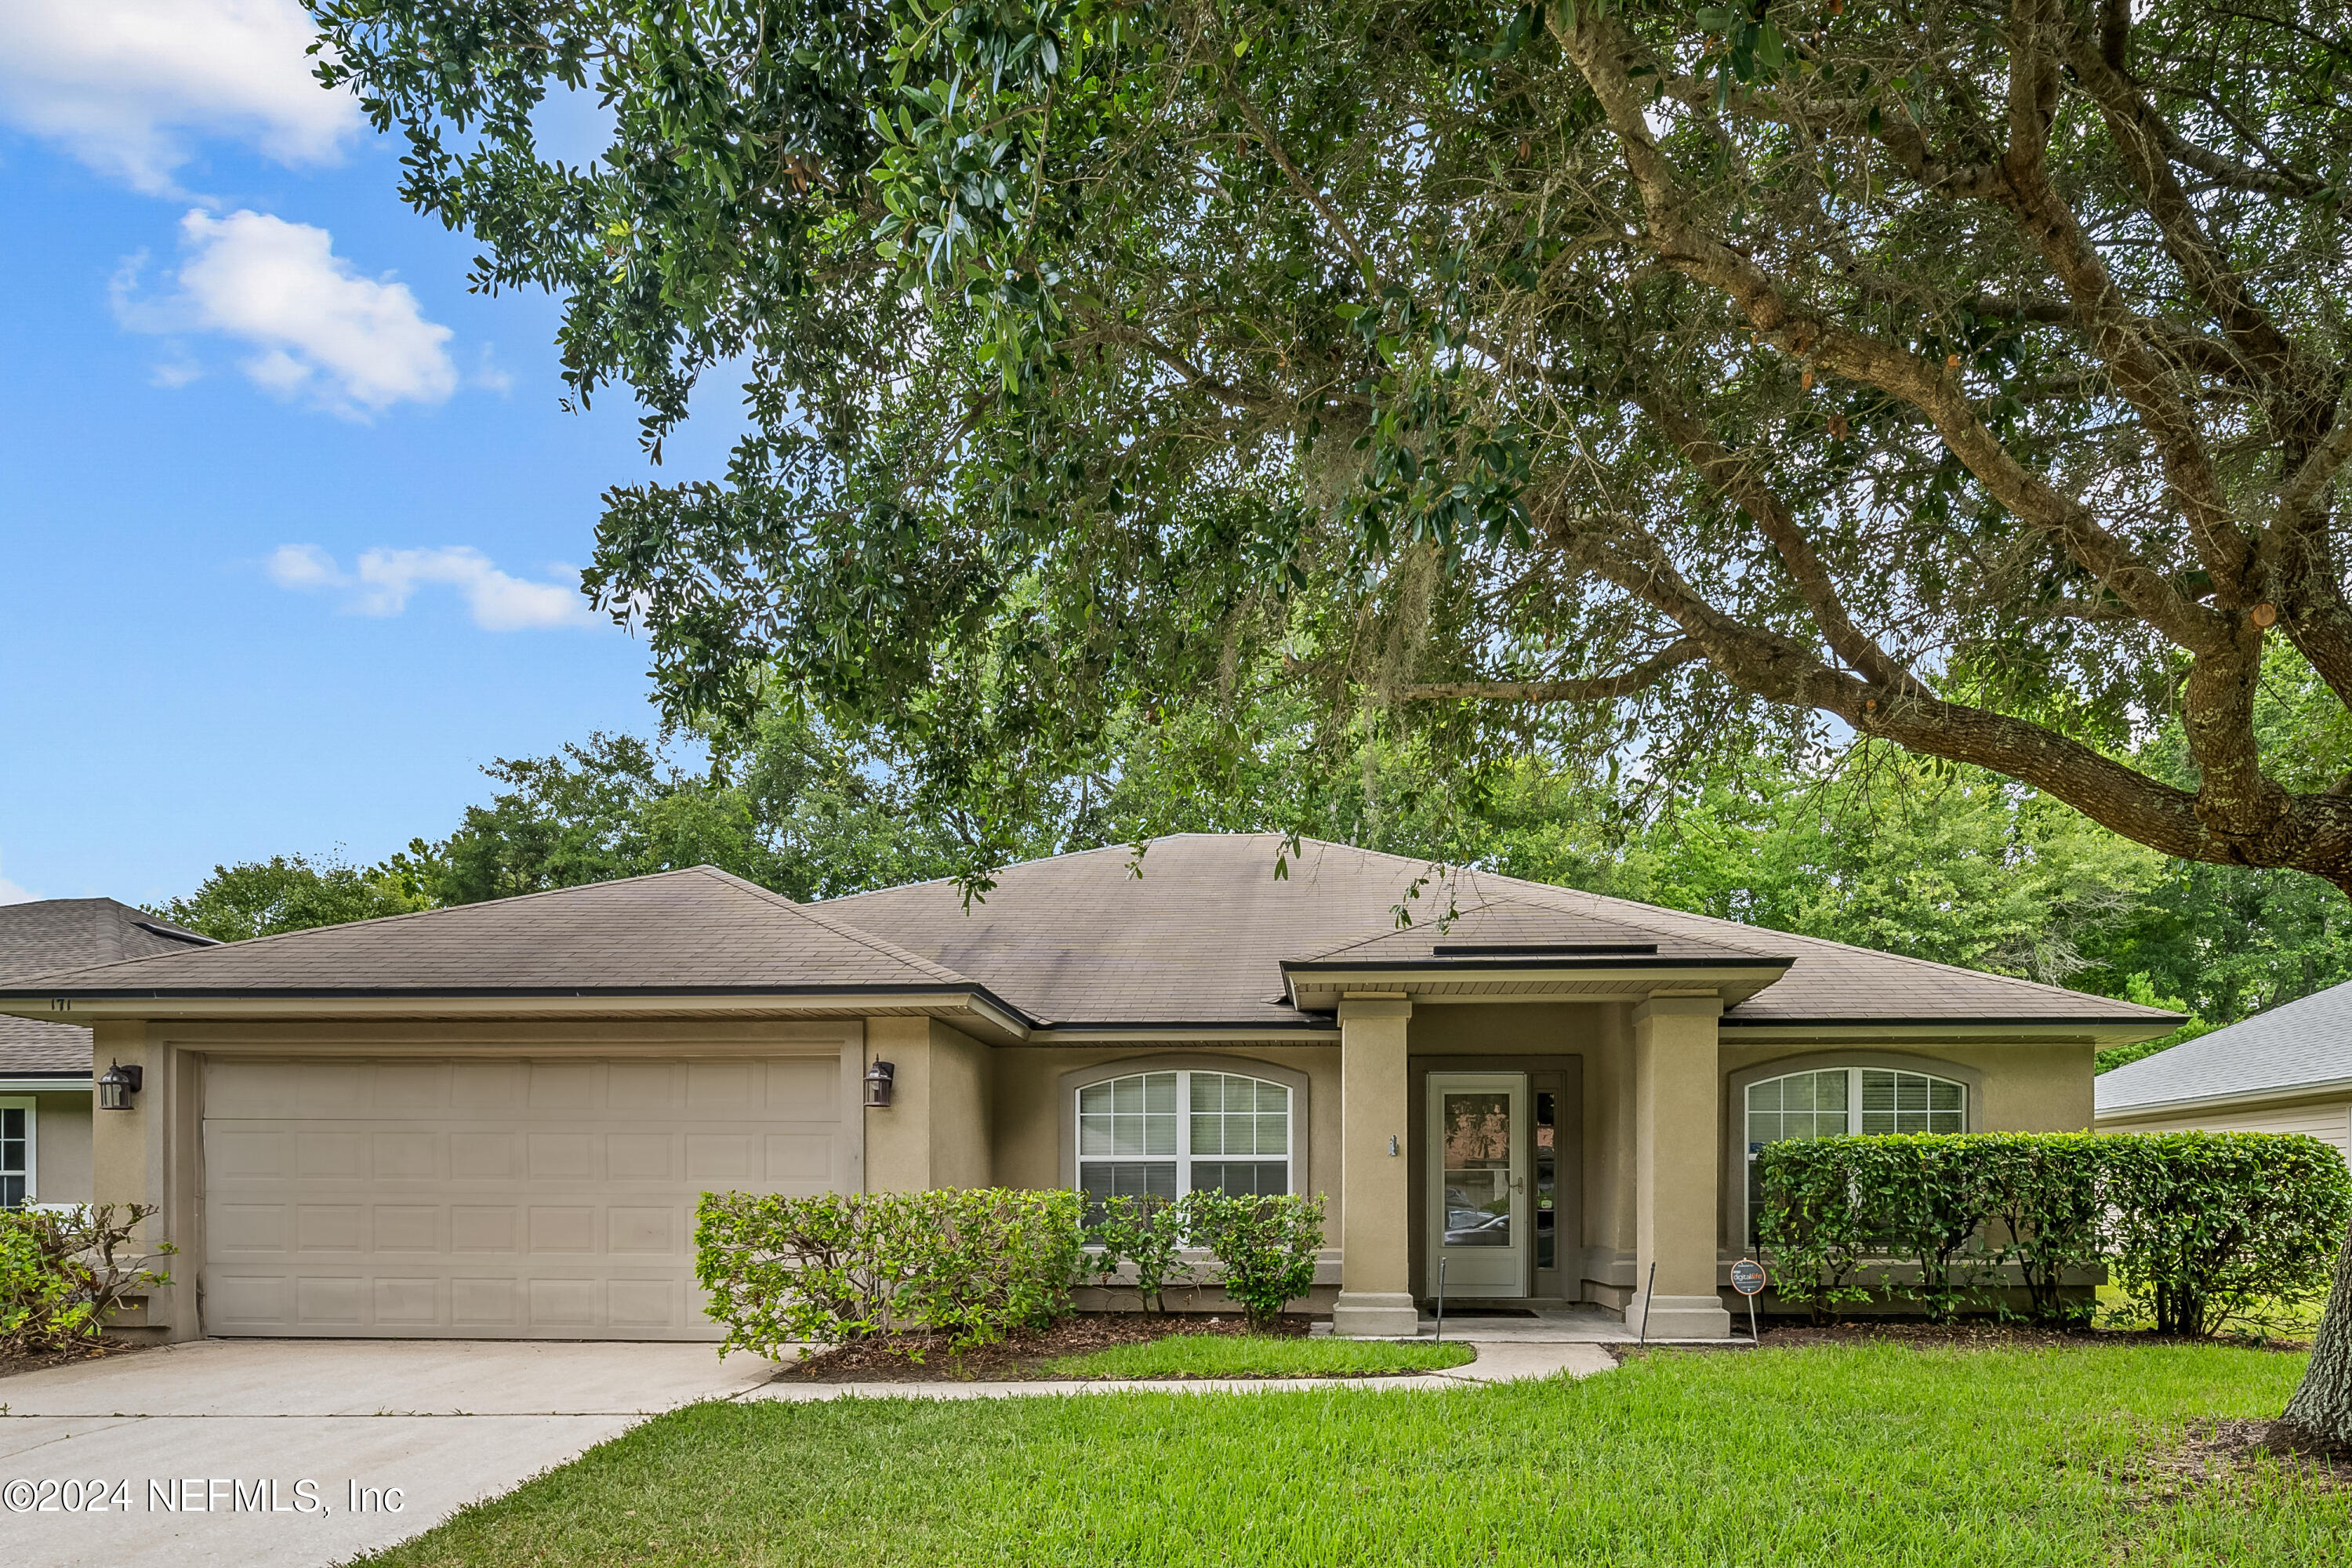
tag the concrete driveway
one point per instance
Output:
(308, 1451)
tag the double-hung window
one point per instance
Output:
(15, 1153)
(1163, 1134)
(1841, 1101)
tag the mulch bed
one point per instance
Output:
(890, 1359)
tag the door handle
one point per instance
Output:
(1518, 1184)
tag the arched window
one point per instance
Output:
(1836, 1101)
(1163, 1133)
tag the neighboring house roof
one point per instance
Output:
(50, 935)
(694, 931)
(1202, 933)
(1205, 936)
(32, 1048)
(2296, 1046)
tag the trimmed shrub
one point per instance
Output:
(2214, 1228)
(1264, 1245)
(1148, 1232)
(967, 1267)
(63, 1273)
(2202, 1228)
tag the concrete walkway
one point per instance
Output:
(302, 1452)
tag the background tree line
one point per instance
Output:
(1870, 846)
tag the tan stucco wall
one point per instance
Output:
(935, 1132)
(61, 1134)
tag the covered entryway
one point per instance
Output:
(486, 1197)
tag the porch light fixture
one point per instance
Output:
(879, 1077)
(116, 1085)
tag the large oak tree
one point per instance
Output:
(1968, 376)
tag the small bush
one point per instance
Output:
(1266, 1247)
(2202, 1228)
(966, 1266)
(1148, 1232)
(2215, 1228)
(63, 1273)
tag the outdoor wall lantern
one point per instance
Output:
(116, 1085)
(879, 1077)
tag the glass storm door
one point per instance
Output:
(1479, 1211)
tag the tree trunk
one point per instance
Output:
(2319, 1417)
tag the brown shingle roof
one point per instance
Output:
(1200, 937)
(67, 933)
(698, 930)
(50, 935)
(32, 1048)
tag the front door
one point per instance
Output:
(1479, 1210)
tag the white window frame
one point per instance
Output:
(1183, 1157)
(1853, 1116)
(31, 1173)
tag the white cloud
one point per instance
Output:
(385, 580)
(16, 893)
(353, 345)
(127, 85)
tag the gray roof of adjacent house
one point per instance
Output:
(1200, 932)
(50, 935)
(2296, 1046)
(697, 930)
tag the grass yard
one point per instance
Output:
(1865, 1454)
(1256, 1355)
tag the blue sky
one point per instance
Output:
(287, 515)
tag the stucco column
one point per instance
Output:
(1676, 1122)
(1375, 1228)
(147, 1155)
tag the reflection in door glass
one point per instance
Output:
(1478, 1169)
(1547, 1169)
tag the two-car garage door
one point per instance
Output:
(502, 1197)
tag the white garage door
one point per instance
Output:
(494, 1198)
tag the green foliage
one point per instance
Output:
(1143, 1236)
(783, 803)
(965, 1267)
(2213, 1229)
(1264, 1246)
(291, 892)
(2204, 1229)
(1103, 359)
(63, 1273)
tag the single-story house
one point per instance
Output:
(2287, 1070)
(45, 1072)
(494, 1120)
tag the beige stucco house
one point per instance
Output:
(493, 1120)
(45, 1072)
(2285, 1070)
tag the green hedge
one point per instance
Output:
(2202, 1229)
(970, 1266)
(965, 1265)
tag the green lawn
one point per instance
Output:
(1256, 1355)
(1864, 1454)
